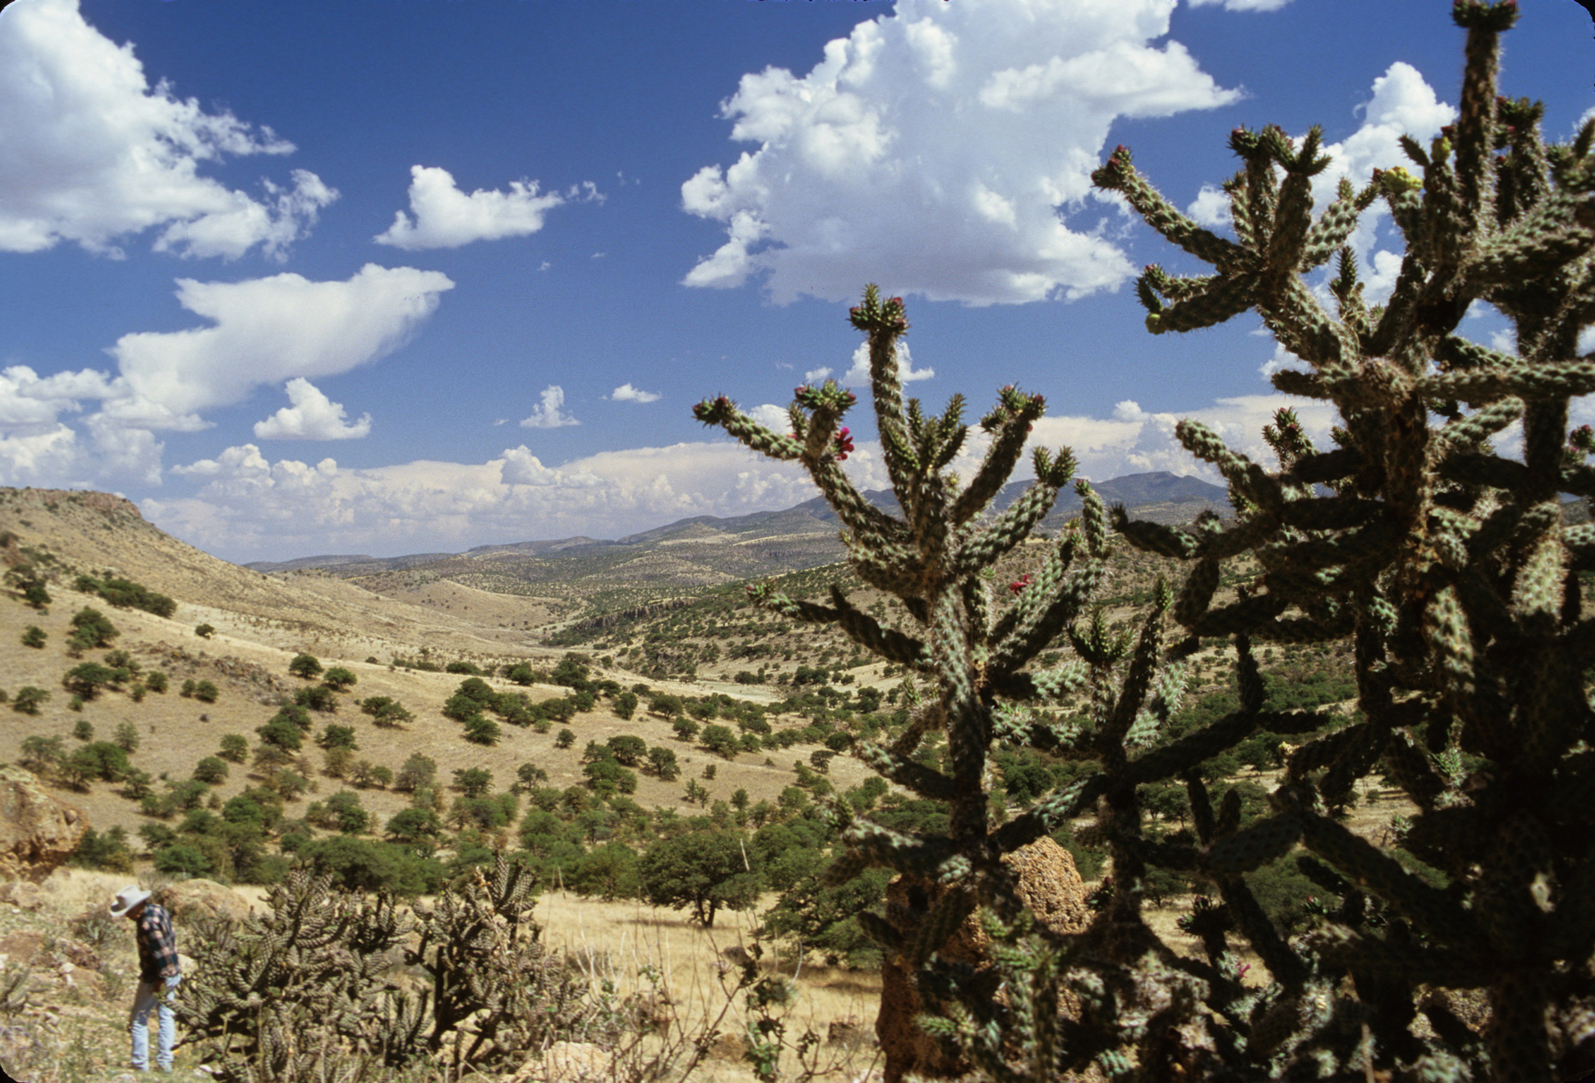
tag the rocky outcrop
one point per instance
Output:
(1049, 886)
(187, 900)
(38, 831)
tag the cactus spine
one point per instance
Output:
(970, 649)
(1448, 565)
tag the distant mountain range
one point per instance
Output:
(707, 549)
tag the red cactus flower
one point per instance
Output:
(1018, 585)
(844, 445)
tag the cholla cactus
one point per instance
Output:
(1447, 565)
(277, 998)
(307, 991)
(970, 649)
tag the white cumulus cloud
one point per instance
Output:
(858, 375)
(266, 330)
(626, 393)
(446, 217)
(248, 507)
(941, 142)
(93, 153)
(1241, 5)
(312, 416)
(93, 428)
(550, 413)
(1401, 103)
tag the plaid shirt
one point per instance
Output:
(157, 945)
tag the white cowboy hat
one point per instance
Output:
(127, 899)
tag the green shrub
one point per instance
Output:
(212, 770)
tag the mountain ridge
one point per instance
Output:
(1147, 493)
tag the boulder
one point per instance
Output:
(1050, 887)
(38, 831)
(21, 894)
(564, 1062)
(187, 900)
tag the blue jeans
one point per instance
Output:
(148, 997)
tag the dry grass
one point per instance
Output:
(622, 942)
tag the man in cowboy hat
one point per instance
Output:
(158, 976)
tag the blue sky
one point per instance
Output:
(392, 276)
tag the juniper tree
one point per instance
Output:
(971, 652)
(1449, 568)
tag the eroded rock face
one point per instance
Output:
(190, 899)
(1049, 885)
(38, 831)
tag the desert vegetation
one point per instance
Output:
(1321, 762)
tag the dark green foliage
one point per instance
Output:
(281, 733)
(156, 681)
(91, 628)
(473, 781)
(306, 666)
(28, 581)
(335, 736)
(185, 860)
(608, 776)
(483, 813)
(625, 705)
(366, 866)
(206, 692)
(108, 852)
(705, 871)
(339, 679)
(343, 812)
(662, 763)
(628, 750)
(316, 697)
(211, 770)
(564, 739)
(98, 760)
(29, 699)
(415, 826)
(34, 637)
(608, 871)
(234, 747)
(125, 594)
(824, 917)
(481, 730)
(386, 711)
(720, 740)
(418, 770)
(204, 631)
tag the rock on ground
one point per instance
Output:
(38, 831)
(190, 899)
